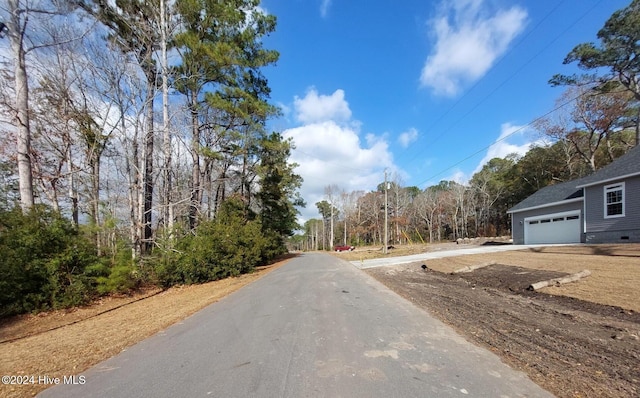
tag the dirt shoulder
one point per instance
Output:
(65, 343)
(578, 340)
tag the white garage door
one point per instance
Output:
(552, 228)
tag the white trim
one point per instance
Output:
(546, 205)
(584, 211)
(618, 186)
(608, 180)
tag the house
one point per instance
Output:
(603, 207)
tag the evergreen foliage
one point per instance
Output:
(230, 245)
(617, 53)
(120, 274)
(279, 184)
(45, 263)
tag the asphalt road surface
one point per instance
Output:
(315, 327)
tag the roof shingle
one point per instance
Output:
(549, 195)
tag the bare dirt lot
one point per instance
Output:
(580, 339)
(65, 343)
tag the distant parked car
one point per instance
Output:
(343, 248)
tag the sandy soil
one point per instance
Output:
(65, 343)
(577, 340)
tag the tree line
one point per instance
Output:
(136, 147)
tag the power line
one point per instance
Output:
(477, 83)
(511, 134)
(511, 76)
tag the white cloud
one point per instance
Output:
(314, 108)
(458, 176)
(328, 153)
(324, 7)
(330, 149)
(469, 39)
(405, 139)
(286, 110)
(501, 147)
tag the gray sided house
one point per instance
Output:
(603, 207)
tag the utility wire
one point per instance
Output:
(511, 76)
(477, 83)
(562, 105)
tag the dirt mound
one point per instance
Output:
(507, 277)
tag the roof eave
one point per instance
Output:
(580, 199)
(609, 180)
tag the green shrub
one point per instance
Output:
(219, 251)
(68, 285)
(122, 278)
(43, 262)
(230, 245)
(120, 274)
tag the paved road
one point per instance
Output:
(316, 327)
(458, 251)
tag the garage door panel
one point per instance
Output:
(553, 228)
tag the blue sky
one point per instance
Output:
(428, 90)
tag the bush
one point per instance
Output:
(230, 245)
(120, 274)
(220, 250)
(68, 283)
(43, 262)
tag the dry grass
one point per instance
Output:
(370, 252)
(87, 336)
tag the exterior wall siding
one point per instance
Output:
(619, 229)
(517, 219)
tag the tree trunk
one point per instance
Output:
(73, 193)
(638, 127)
(168, 205)
(133, 180)
(95, 195)
(331, 237)
(345, 230)
(194, 204)
(148, 171)
(25, 176)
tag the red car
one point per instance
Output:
(343, 248)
